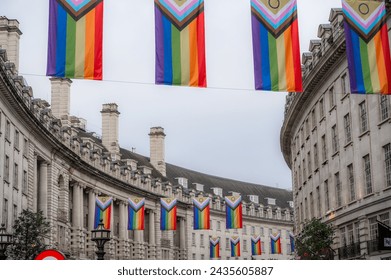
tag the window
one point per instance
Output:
(344, 84)
(334, 135)
(218, 191)
(318, 201)
(352, 188)
(324, 148)
(373, 228)
(262, 233)
(350, 234)
(367, 174)
(194, 256)
(312, 214)
(227, 243)
(302, 136)
(342, 233)
(348, 131)
(16, 139)
(309, 164)
(384, 107)
(363, 117)
(385, 218)
(202, 240)
(7, 130)
(262, 247)
(252, 230)
(16, 176)
(326, 195)
(387, 157)
(332, 97)
(202, 257)
(218, 225)
(244, 245)
(193, 237)
(5, 212)
(304, 171)
(321, 108)
(306, 208)
(244, 231)
(307, 128)
(316, 157)
(6, 168)
(26, 148)
(357, 231)
(338, 189)
(300, 181)
(313, 114)
(14, 213)
(24, 182)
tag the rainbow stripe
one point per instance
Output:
(168, 213)
(235, 246)
(201, 213)
(214, 248)
(276, 48)
(136, 213)
(275, 242)
(292, 240)
(233, 211)
(256, 245)
(180, 43)
(103, 206)
(367, 46)
(75, 39)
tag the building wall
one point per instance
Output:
(61, 169)
(327, 110)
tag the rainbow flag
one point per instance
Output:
(168, 214)
(235, 246)
(180, 42)
(292, 240)
(275, 242)
(103, 211)
(367, 46)
(75, 39)
(233, 209)
(256, 245)
(201, 213)
(277, 65)
(136, 213)
(214, 248)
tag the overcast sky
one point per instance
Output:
(227, 130)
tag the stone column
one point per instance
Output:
(364, 235)
(43, 189)
(152, 239)
(35, 184)
(123, 234)
(182, 239)
(76, 226)
(91, 222)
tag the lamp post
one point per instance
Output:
(5, 241)
(100, 236)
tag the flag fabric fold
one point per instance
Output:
(214, 247)
(235, 246)
(292, 240)
(275, 241)
(256, 245)
(180, 43)
(367, 46)
(136, 207)
(233, 209)
(201, 213)
(75, 39)
(103, 205)
(168, 213)
(276, 49)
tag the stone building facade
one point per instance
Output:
(49, 162)
(338, 146)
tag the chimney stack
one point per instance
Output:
(156, 137)
(9, 39)
(110, 128)
(61, 88)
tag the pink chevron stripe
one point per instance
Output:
(276, 18)
(184, 9)
(365, 23)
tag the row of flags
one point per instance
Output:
(76, 35)
(168, 214)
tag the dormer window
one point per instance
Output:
(254, 198)
(199, 187)
(234, 193)
(218, 191)
(271, 201)
(291, 205)
(182, 181)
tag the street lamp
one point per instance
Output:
(5, 241)
(100, 236)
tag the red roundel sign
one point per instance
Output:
(50, 255)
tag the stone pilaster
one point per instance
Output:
(43, 189)
(152, 234)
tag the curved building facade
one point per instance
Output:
(49, 162)
(338, 146)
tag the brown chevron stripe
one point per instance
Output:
(275, 32)
(180, 25)
(362, 35)
(82, 12)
